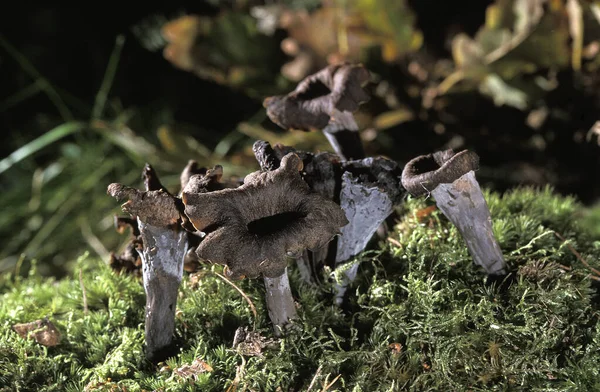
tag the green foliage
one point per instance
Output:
(519, 39)
(420, 317)
(56, 183)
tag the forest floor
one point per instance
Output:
(420, 316)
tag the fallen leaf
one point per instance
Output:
(425, 212)
(249, 342)
(192, 371)
(42, 331)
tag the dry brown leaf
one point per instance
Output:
(250, 343)
(198, 366)
(42, 331)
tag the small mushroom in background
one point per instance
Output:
(253, 228)
(164, 246)
(325, 101)
(367, 190)
(450, 178)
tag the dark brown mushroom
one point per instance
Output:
(325, 101)
(195, 179)
(450, 178)
(252, 228)
(192, 168)
(164, 246)
(366, 189)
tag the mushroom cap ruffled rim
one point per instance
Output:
(225, 217)
(424, 173)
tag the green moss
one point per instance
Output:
(421, 316)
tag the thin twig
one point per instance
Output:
(326, 387)
(241, 292)
(594, 270)
(564, 267)
(239, 373)
(85, 305)
(314, 379)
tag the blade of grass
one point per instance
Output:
(20, 96)
(76, 197)
(109, 77)
(44, 84)
(35, 145)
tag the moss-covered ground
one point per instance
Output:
(420, 317)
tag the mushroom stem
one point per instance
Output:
(346, 143)
(463, 203)
(280, 302)
(164, 246)
(450, 178)
(366, 207)
(162, 268)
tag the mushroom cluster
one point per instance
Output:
(316, 208)
(251, 229)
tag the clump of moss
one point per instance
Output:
(421, 316)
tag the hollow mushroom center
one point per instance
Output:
(425, 165)
(316, 89)
(274, 223)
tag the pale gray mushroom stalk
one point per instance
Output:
(370, 190)
(450, 179)
(164, 246)
(366, 207)
(162, 269)
(280, 302)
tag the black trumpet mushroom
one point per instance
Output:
(162, 247)
(253, 228)
(450, 178)
(366, 189)
(325, 101)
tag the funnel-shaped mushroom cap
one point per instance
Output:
(321, 98)
(424, 173)
(251, 228)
